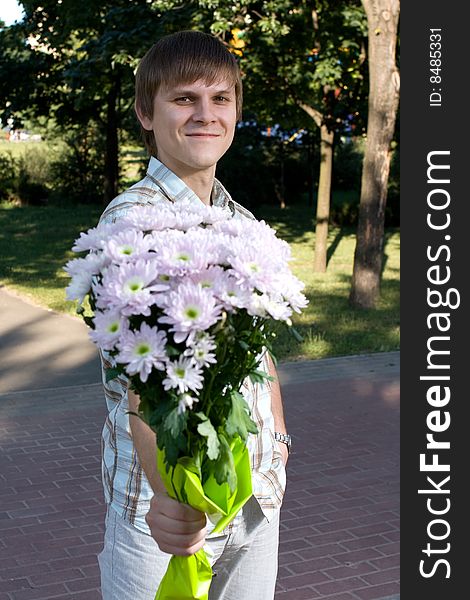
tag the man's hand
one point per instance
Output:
(177, 528)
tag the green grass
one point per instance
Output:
(35, 243)
(329, 326)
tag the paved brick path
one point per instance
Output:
(340, 530)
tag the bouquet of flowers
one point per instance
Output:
(184, 299)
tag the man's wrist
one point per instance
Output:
(284, 438)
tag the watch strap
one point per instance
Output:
(284, 438)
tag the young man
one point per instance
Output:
(188, 101)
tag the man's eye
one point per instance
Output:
(183, 99)
(222, 99)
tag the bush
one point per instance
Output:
(77, 176)
(8, 176)
(24, 177)
(33, 176)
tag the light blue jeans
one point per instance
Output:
(244, 563)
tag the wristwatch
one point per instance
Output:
(285, 438)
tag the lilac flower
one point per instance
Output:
(186, 401)
(151, 217)
(200, 350)
(92, 264)
(183, 375)
(290, 288)
(143, 350)
(184, 256)
(95, 237)
(127, 244)
(130, 288)
(250, 267)
(214, 278)
(110, 325)
(82, 271)
(278, 310)
(232, 294)
(184, 221)
(231, 227)
(188, 308)
(79, 287)
(215, 214)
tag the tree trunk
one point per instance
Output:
(111, 165)
(323, 200)
(382, 18)
(324, 189)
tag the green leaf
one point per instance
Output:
(173, 446)
(239, 420)
(244, 345)
(172, 351)
(206, 429)
(259, 376)
(293, 331)
(273, 358)
(175, 422)
(89, 321)
(224, 466)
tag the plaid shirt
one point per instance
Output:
(126, 487)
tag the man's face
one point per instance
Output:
(194, 125)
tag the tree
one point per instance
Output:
(382, 19)
(309, 56)
(79, 60)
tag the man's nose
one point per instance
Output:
(204, 112)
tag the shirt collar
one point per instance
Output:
(176, 190)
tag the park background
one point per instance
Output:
(304, 157)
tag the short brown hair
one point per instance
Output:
(183, 58)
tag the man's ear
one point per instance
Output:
(144, 120)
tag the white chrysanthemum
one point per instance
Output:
(188, 308)
(151, 217)
(79, 287)
(109, 327)
(215, 214)
(183, 256)
(127, 245)
(277, 309)
(251, 268)
(232, 294)
(213, 278)
(186, 401)
(200, 350)
(290, 288)
(130, 288)
(183, 375)
(143, 350)
(95, 237)
(82, 271)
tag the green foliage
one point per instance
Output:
(224, 467)
(299, 52)
(7, 176)
(239, 420)
(206, 429)
(26, 172)
(77, 175)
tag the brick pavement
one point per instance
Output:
(340, 528)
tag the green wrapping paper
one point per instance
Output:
(189, 577)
